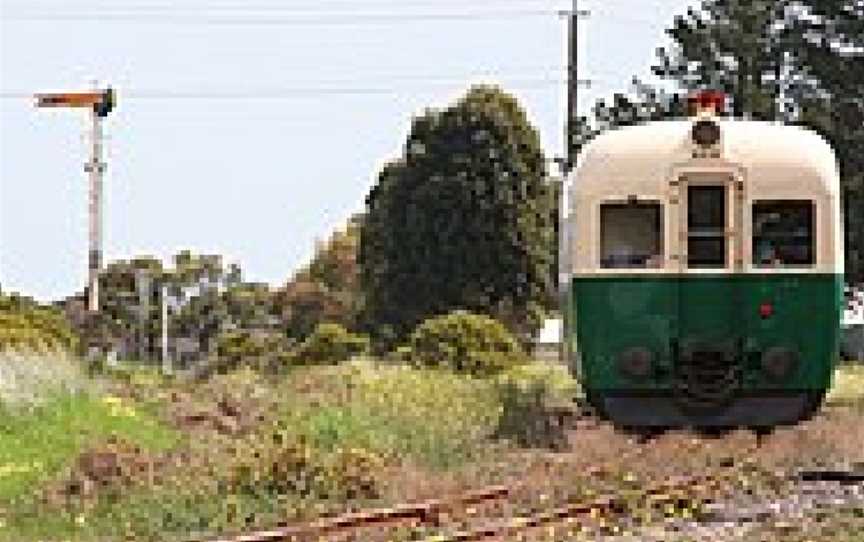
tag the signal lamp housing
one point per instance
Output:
(705, 133)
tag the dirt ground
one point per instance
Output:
(760, 498)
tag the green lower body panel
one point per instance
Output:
(753, 347)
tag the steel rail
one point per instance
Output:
(426, 512)
(572, 510)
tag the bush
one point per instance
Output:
(465, 343)
(289, 466)
(263, 351)
(402, 354)
(560, 387)
(330, 343)
(530, 397)
(29, 327)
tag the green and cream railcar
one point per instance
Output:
(704, 267)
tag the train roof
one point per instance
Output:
(774, 157)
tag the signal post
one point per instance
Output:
(100, 102)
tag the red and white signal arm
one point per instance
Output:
(101, 101)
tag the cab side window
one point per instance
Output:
(631, 235)
(784, 233)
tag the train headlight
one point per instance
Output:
(706, 133)
(635, 362)
(779, 362)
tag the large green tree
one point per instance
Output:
(832, 47)
(462, 220)
(746, 47)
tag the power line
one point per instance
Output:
(230, 4)
(305, 19)
(243, 15)
(291, 9)
(545, 76)
(284, 93)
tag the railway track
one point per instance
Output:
(572, 513)
(469, 516)
(429, 513)
(426, 512)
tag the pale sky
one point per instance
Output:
(251, 131)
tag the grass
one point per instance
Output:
(50, 410)
(28, 379)
(429, 418)
(848, 386)
(50, 413)
(433, 417)
(42, 441)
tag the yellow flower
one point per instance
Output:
(110, 400)
(118, 409)
(80, 519)
(14, 468)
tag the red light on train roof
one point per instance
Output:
(707, 100)
(766, 310)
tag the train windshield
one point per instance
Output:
(783, 233)
(706, 226)
(631, 235)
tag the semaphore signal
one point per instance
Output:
(100, 102)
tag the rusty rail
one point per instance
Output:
(569, 511)
(425, 511)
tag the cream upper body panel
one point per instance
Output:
(639, 159)
(772, 161)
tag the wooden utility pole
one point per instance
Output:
(166, 362)
(566, 164)
(573, 83)
(100, 102)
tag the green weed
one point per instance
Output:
(434, 417)
(37, 443)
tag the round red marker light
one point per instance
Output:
(710, 100)
(766, 310)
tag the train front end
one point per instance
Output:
(705, 273)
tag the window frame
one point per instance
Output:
(662, 233)
(813, 234)
(722, 233)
